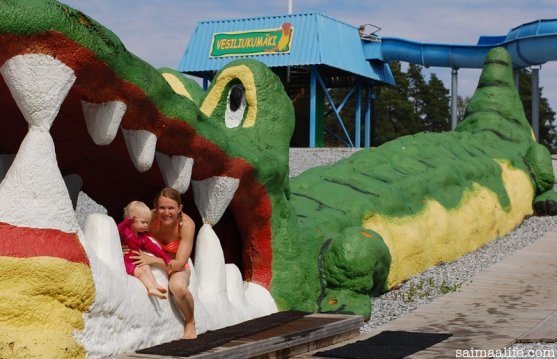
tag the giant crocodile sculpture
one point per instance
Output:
(78, 107)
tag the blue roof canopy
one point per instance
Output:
(316, 40)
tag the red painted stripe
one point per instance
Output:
(24, 242)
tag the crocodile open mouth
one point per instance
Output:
(112, 133)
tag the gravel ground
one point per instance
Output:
(445, 278)
(448, 277)
(302, 159)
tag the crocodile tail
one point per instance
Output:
(495, 107)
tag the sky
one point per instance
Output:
(159, 31)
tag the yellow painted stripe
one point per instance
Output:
(243, 74)
(438, 235)
(42, 300)
(176, 85)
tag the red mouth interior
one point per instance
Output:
(109, 176)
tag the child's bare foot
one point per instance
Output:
(189, 331)
(156, 293)
(162, 289)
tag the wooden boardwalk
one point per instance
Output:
(311, 332)
(515, 300)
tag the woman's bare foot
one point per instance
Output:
(189, 331)
(156, 293)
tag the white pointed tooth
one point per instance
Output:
(141, 147)
(212, 281)
(213, 195)
(209, 263)
(5, 163)
(74, 182)
(176, 171)
(235, 291)
(103, 120)
(260, 300)
(39, 84)
(33, 193)
(251, 300)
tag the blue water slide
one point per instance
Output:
(533, 43)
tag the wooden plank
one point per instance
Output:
(139, 356)
(341, 328)
(309, 346)
(545, 331)
(309, 333)
(307, 323)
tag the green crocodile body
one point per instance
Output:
(327, 240)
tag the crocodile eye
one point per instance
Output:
(235, 106)
(232, 95)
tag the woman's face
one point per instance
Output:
(167, 210)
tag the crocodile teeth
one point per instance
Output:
(73, 182)
(103, 120)
(176, 171)
(220, 288)
(213, 195)
(141, 147)
(210, 267)
(212, 280)
(33, 193)
(39, 84)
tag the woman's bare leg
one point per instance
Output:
(179, 286)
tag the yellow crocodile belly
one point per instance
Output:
(439, 235)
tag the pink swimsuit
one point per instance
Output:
(135, 243)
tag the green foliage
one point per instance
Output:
(425, 288)
(447, 288)
(435, 111)
(395, 114)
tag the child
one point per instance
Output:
(133, 234)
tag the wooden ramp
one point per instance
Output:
(514, 300)
(546, 331)
(311, 332)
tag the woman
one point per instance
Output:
(174, 230)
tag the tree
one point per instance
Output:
(416, 87)
(395, 115)
(435, 112)
(547, 133)
(461, 103)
